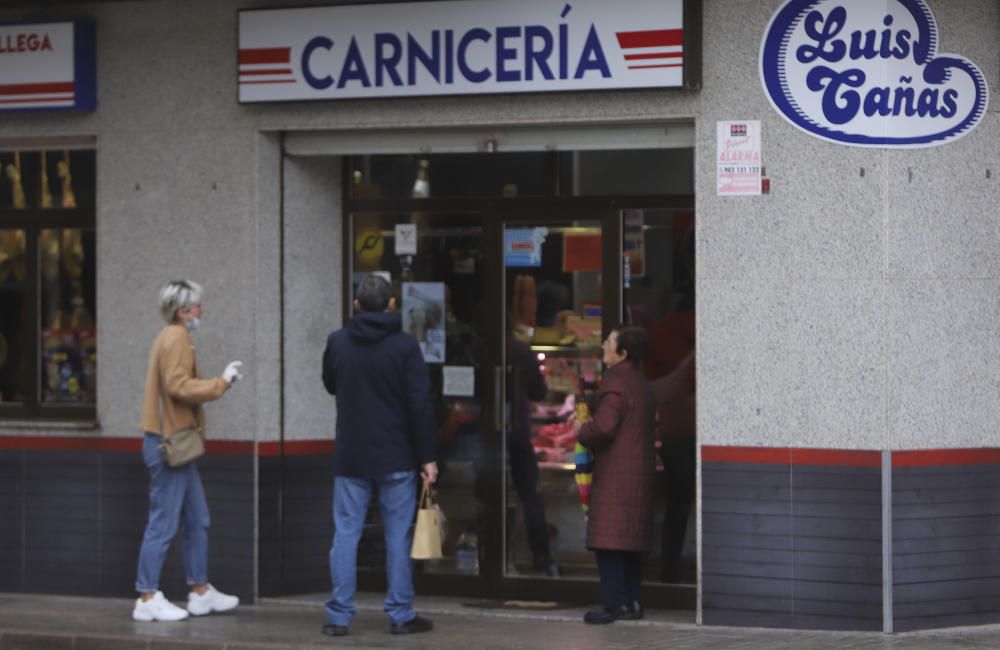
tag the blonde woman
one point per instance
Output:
(173, 401)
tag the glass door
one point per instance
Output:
(559, 295)
(435, 262)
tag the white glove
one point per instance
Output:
(232, 372)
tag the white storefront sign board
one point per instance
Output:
(456, 48)
(46, 66)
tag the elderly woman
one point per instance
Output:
(173, 402)
(620, 434)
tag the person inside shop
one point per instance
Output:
(525, 383)
(386, 434)
(173, 399)
(671, 369)
(620, 436)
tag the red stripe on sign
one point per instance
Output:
(654, 55)
(40, 100)
(266, 71)
(38, 89)
(266, 55)
(942, 457)
(666, 65)
(297, 448)
(652, 38)
(273, 81)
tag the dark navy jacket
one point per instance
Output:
(385, 417)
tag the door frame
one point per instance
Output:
(496, 212)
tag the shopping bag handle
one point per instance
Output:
(426, 495)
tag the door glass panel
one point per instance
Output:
(552, 286)
(659, 295)
(439, 290)
(453, 175)
(14, 340)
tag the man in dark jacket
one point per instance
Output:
(385, 434)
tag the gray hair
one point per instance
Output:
(179, 294)
(374, 292)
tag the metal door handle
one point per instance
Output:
(497, 406)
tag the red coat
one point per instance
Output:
(621, 437)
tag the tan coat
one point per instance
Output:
(173, 380)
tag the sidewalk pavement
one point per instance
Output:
(73, 623)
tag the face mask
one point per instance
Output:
(192, 324)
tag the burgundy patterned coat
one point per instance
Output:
(621, 437)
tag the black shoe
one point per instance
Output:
(415, 625)
(334, 630)
(635, 611)
(603, 616)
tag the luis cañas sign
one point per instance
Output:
(868, 73)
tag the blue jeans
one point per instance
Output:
(397, 500)
(176, 497)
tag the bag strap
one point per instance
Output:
(426, 496)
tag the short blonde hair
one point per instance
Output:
(179, 294)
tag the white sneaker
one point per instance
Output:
(157, 608)
(211, 601)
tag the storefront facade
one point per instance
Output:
(846, 447)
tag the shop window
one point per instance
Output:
(48, 328)
(631, 172)
(453, 175)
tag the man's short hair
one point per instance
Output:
(374, 292)
(634, 340)
(179, 294)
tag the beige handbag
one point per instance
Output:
(182, 447)
(427, 532)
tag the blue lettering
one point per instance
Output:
(389, 62)
(950, 105)
(563, 55)
(319, 83)
(354, 67)
(431, 62)
(877, 101)
(838, 107)
(903, 43)
(864, 50)
(534, 57)
(903, 102)
(592, 57)
(449, 56)
(505, 54)
(927, 102)
(475, 76)
(823, 31)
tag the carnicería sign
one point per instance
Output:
(868, 73)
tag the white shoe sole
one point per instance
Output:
(147, 618)
(213, 610)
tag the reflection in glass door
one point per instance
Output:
(553, 316)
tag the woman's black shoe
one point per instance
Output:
(603, 616)
(635, 612)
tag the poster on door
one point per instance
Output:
(423, 317)
(738, 158)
